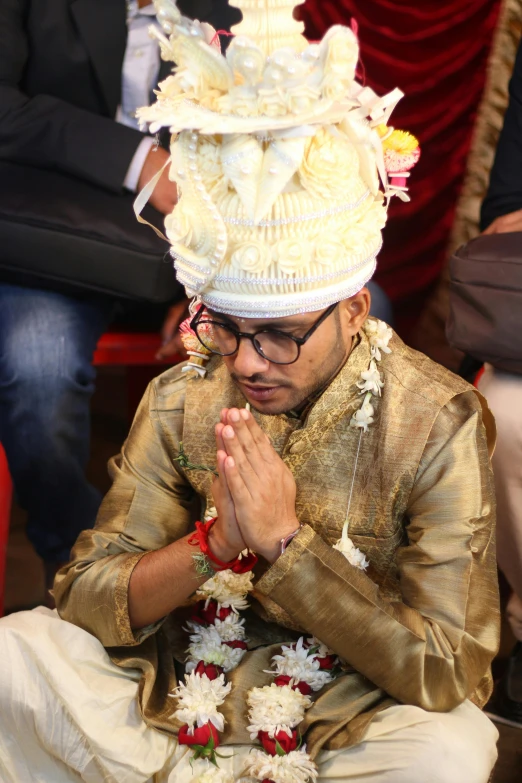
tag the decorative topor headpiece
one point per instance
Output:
(281, 158)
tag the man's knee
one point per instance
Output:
(12, 658)
(445, 750)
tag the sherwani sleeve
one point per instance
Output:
(148, 506)
(433, 647)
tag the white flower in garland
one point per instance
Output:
(274, 709)
(364, 416)
(294, 767)
(206, 645)
(199, 698)
(322, 649)
(371, 380)
(354, 555)
(231, 628)
(214, 775)
(296, 662)
(379, 335)
(228, 589)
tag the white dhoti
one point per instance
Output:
(67, 714)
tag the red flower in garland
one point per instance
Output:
(210, 669)
(280, 740)
(327, 662)
(203, 736)
(283, 679)
(209, 614)
(237, 645)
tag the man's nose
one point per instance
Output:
(247, 361)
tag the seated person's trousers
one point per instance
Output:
(67, 714)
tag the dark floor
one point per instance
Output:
(25, 583)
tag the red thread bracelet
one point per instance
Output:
(240, 565)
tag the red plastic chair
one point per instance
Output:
(136, 351)
(6, 491)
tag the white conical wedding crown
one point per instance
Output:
(281, 160)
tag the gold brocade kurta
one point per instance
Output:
(419, 627)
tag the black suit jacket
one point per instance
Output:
(505, 186)
(60, 84)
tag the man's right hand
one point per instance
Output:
(225, 539)
(165, 195)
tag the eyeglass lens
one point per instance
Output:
(221, 339)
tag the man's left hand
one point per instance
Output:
(262, 486)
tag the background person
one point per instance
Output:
(501, 213)
(71, 77)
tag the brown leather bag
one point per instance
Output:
(485, 317)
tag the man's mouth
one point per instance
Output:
(258, 392)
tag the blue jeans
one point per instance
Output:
(46, 382)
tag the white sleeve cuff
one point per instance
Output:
(133, 172)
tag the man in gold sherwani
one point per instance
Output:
(313, 415)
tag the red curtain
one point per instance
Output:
(436, 51)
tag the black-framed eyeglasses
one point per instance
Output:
(276, 346)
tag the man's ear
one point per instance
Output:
(355, 310)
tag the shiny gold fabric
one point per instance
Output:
(420, 626)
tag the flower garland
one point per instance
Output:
(218, 644)
(379, 335)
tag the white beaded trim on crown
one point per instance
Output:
(232, 158)
(189, 280)
(289, 306)
(286, 159)
(298, 218)
(197, 267)
(186, 278)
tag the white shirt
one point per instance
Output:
(139, 77)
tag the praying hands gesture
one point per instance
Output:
(255, 491)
